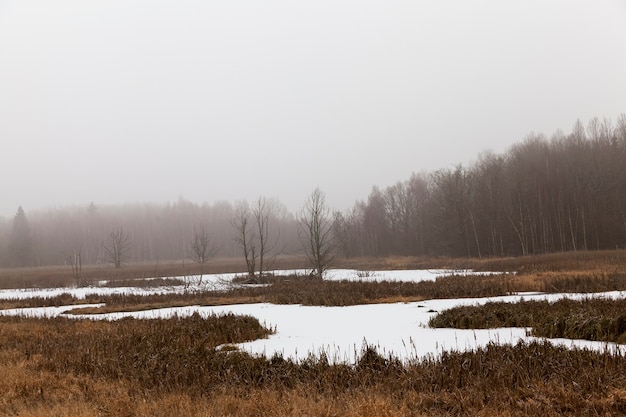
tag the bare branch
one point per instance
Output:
(316, 233)
(117, 247)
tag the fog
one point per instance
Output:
(149, 101)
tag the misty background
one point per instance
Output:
(151, 101)
(565, 192)
(452, 128)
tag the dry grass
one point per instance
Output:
(302, 290)
(197, 300)
(591, 319)
(591, 262)
(62, 276)
(171, 367)
(605, 261)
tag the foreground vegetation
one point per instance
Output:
(187, 366)
(176, 367)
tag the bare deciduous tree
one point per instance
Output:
(245, 236)
(76, 262)
(263, 212)
(117, 248)
(261, 218)
(254, 234)
(202, 249)
(315, 230)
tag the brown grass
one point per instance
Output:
(303, 290)
(589, 262)
(591, 319)
(171, 367)
(62, 276)
(605, 261)
(204, 301)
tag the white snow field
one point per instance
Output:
(223, 282)
(398, 329)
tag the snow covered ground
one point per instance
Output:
(223, 281)
(341, 332)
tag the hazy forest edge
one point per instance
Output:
(563, 193)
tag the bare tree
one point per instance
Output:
(117, 248)
(76, 262)
(262, 213)
(245, 236)
(343, 224)
(453, 195)
(376, 224)
(202, 249)
(316, 232)
(254, 234)
(261, 219)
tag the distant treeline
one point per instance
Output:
(567, 193)
(543, 195)
(144, 233)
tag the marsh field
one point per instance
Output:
(538, 335)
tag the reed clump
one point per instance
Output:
(597, 319)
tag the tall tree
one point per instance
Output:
(347, 232)
(264, 212)
(202, 248)
(20, 246)
(117, 247)
(489, 188)
(245, 236)
(375, 224)
(453, 196)
(316, 235)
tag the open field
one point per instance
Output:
(189, 365)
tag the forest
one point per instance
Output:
(543, 195)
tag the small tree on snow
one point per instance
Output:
(253, 234)
(316, 232)
(202, 249)
(245, 237)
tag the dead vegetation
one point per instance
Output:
(306, 291)
(175, 367)
(565, 263)
(591, 319)
(60, 276)
(183, 366)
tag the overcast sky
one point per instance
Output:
(119, 101)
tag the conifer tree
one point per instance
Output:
(20, 244)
